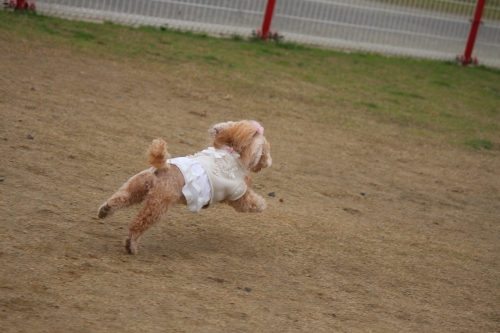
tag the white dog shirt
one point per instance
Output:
(211, 175)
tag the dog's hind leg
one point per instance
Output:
(157, 204)
(131, 193)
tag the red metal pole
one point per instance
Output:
(268, 18)
(466, 58)
(20, 5)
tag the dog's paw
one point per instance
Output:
(131, 246)
(104, 210)
(259, 207)
(262, 206)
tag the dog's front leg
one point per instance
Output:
(250, 202)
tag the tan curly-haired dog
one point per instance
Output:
(217, 174)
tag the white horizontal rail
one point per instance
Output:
(392, 11)
(372, 28)
(467, 4)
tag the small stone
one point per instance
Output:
(120, 227)
(281, 200)
(271, 194)
(362, 193)
(31, 137)
(189, 143)
(248, 289)
(33, 88)
(1, 180)
(209, 276)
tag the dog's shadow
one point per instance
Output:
(201, 234)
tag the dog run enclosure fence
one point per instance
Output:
(436, 29)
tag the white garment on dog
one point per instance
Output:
(211, 175)
(197, 189)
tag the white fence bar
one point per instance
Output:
(435, 29)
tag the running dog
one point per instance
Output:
(220, 173)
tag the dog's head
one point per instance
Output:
(246, 137)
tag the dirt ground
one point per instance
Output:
(371, 229)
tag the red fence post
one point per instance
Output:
(466, 58)
(21, 5)
(268, 17)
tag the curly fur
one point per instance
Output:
(160, 187)
(158, 154)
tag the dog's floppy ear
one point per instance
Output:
(219, 128)
(262, 156)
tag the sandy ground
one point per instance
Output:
(418, 251)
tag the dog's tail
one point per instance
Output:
(158, 154)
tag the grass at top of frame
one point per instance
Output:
(428, 98)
